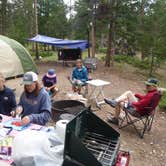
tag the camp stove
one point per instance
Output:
(90, 141)
(103, 148)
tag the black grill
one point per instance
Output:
(103, 148)
(90, 141)
(66, 106)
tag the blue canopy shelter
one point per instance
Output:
(67, 49)
(60, 43)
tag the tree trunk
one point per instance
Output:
(110, 47)
(94, 28)
(108, 55)
(142, 13)
(88, 38)
(93, 41)
(36, 28)
(3, 16)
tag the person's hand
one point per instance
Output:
(25, 120)
(47, 89)
(13, 113)
(19, 110)
(79, 82)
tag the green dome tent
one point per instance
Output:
(14, 58)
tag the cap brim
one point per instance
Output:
(148, 83)
(51, 76)
(27, 83)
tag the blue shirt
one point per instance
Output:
(7, 101)
(37, 108)
(80, 74)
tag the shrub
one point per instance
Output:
(46, 54)
(162, 103)
(131, 60)
(102, 50)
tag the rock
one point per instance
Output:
(151, 143)
(163, 117)
(154, 151)
(150, 153)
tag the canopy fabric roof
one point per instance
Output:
(60, 43)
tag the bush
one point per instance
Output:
(162, 103)
(46, 54)
(102, 50)
(131, 60)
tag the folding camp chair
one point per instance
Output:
(131, 118)
(84, 87)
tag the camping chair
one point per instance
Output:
(84, 87)
(146, 119)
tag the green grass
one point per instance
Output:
(162, 103)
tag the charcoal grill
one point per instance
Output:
(66, 106)
(90, 141)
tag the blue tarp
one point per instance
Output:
(60, 43)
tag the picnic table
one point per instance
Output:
(13, 131)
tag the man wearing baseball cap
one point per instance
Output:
(34, 105)
(136, 103)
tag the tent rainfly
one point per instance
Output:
(14, 58)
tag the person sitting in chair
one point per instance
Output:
(136, 103)
(79, 76)
(49, 81)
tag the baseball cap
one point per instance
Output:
(152, 82)
(29, 78)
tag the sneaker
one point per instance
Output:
(111, 102)
(113, 120)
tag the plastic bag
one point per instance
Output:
(34, 148)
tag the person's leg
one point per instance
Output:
(54, 91)
(74, 88)
(117, 111)
(127, 96)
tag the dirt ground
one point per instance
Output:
(149, 151)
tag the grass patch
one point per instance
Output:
(162, 103)
(46, 56)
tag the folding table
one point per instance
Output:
(97, 90)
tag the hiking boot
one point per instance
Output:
(113, 120)
(111, 102)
